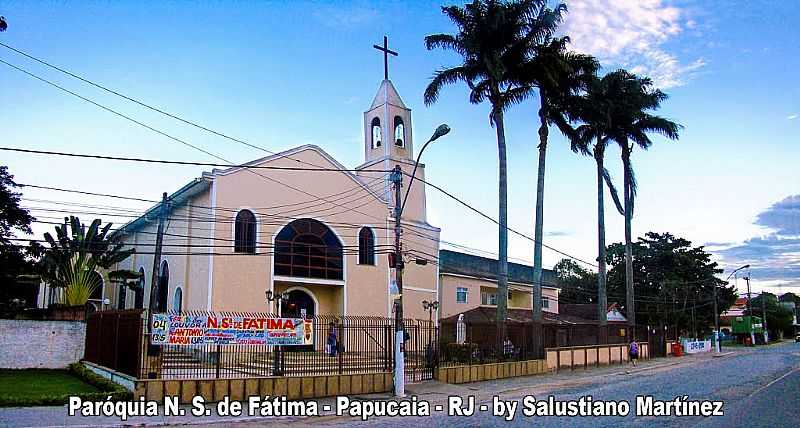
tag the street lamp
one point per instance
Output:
(430, 307)
(277, 368)
(396, 178)
(716, 315)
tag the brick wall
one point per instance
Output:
(40, 344)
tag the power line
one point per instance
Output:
(225, 136)
(493, 220)
(191, 163)
(145, 105)
(168, 135)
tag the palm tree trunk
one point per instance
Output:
(502, 262)
(631, 309)
(602, 299)
(537, 339)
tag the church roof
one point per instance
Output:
(482, 267)
(387, 94)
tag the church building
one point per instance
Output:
(323, 237)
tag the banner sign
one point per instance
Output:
(694, 347)
(229, 330)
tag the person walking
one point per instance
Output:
(333, 340)
(633, 352)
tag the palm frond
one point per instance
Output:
(613, 191)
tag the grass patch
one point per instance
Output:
(31, 384)
(43, 387)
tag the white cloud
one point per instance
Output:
(792, 117)
(632, 35)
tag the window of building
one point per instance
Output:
(461, 295)
(163, 287)
(96, 281)
(545, 302)
(399, 132)
(139, 293)
(488, 298)
(366, 246)
(177, 301)
(123, 294)
(308, 248)
(376, 133)
(245, 233)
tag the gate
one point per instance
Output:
(421, 350)
(657, 340)
(113, 340)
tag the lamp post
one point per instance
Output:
(430, 307)
(396, 178)
(277, 369)
(716, 315)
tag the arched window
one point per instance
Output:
(399, 132)
(376, 133)
(139, 294)
(366, 247)
(309, 249)
(177, 301)
(163, 287)
(245, 233)
(96, 281)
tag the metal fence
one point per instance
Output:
(480, 340)
(365, 345)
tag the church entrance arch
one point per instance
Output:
(301, 302)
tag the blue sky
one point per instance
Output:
(282, 74)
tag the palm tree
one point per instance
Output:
(596, 110)
(77, 249)
(489, 39)
(557, 75)
(631, 124)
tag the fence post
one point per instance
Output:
(386, 337)
(218, 360)
(339, 347)
(116, 342)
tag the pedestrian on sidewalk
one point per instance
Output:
(333, 340)
(633, 352)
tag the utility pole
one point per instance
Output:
(716, 316)
(764, 314)
(750, 312)
(396, 178)
(154, 282)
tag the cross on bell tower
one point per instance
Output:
(386, 52)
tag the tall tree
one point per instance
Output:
(631, 126)
(557, 75)
(673, 278)
(15, 259)
(488, 39)
(597, 108)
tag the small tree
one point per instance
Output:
(76, 254)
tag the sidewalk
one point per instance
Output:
(432, 391)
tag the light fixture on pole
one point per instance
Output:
(277, 368)
(716, 313)
(396, 261)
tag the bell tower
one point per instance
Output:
(388, 142)
(387, 126)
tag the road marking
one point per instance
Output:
(773, 381)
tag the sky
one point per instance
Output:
(283, 74)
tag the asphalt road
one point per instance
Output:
(758, 388)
